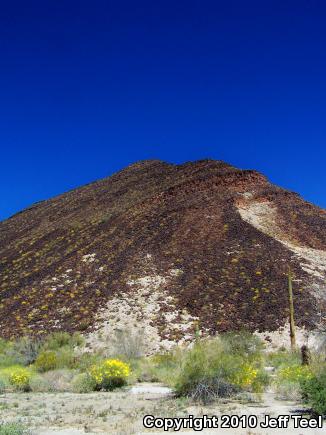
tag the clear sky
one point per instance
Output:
(88, 87)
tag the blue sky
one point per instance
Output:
(90, 87)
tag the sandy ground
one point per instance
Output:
(121, 413)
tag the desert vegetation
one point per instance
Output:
(231, 366)
(13, 429)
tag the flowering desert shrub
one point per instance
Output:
(17, 377)
(110, 374)
(245, 376)
(288, 380)
(295, 374)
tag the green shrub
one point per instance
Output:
(110, 374)
(4, 344)
(38, 384)
(46, 360)
(215, 367)
(26, 350)
(194, 369)
(283, 358)
(22, 352)
(7, 356)
(313, 389)
(161, 367)
(8, 360)
(143, 370)
(58, 340)
(13, 429)
(3, 386)
(58, 352)
(288, 380)
(65, 358)
(4, 379)
(83, 383)
(85, 360)
(244, 344)
(261, 381)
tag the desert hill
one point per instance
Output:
(166, 248)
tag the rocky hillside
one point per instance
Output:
(167, 248)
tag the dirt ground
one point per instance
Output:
(121, 413)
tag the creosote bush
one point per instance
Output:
(46, 360)
(221, 366)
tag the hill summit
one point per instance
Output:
(168, 249)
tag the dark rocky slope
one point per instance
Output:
(222, 237)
